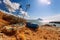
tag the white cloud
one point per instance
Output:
(11, 6)
(15, 15)
(6, 12)
(24, 13)
(45, 2)
(48, 19)
(53, 18)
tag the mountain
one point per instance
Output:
(40, 19)
(35, 21)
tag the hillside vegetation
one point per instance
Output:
(10, 19)
(11, 30)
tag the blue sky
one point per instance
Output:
(38, 8)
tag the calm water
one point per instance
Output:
(57, 25)
(42, 23)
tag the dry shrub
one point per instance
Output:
(20, 35)
(13, 38)
(13, 20)
(9, 31)
(1, 14)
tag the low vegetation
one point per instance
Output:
(8, 31)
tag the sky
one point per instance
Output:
(45, 9)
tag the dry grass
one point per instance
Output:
(42, 33)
